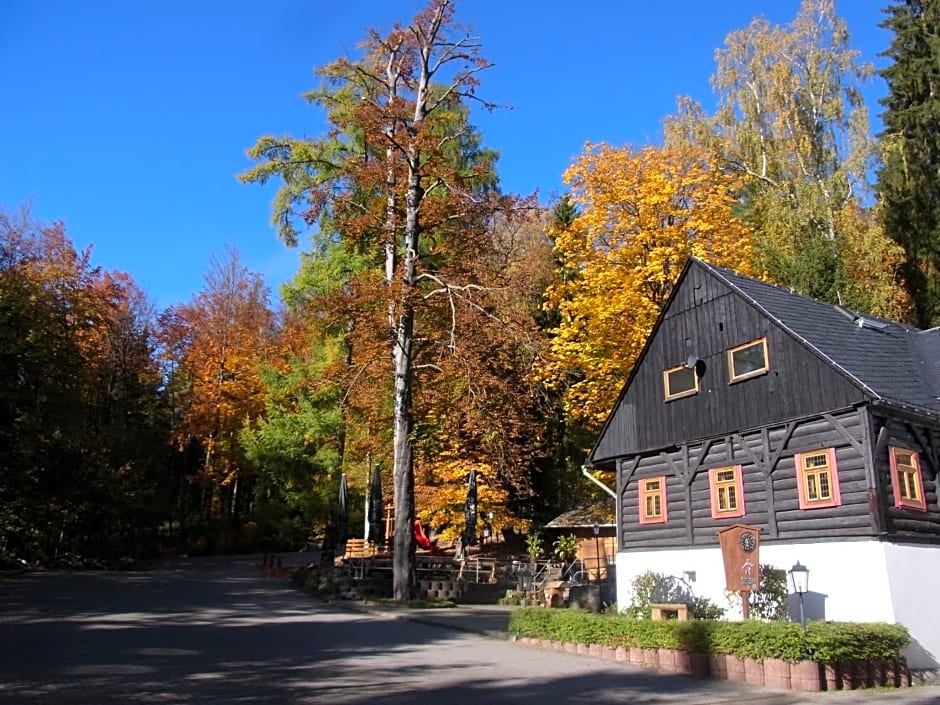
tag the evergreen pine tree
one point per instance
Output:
(909, 180)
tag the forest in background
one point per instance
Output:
(437, 324)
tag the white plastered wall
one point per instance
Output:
(853, 581)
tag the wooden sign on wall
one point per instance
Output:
(740, 549)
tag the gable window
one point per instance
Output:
(680, 382)
(727, 492)
(748, 360)
(907, 480)
(653, 500)
(818, 479)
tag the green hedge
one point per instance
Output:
(826, 642)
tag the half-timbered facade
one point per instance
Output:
(751, 404)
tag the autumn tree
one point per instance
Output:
(81, 428)
(482, 409)
(791, 120)
(400, 176)
(566, 438)
(641, 214)
(907, 181)
(216, 345)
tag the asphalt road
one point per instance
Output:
(215, 631)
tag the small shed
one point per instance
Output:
(593, 549)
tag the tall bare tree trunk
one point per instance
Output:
(403, 565)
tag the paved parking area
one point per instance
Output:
(215, 631)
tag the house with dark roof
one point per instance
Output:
(819, 426)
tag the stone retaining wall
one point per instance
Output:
(771, 673)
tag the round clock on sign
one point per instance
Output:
(748, 541)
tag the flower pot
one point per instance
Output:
(753, 672)
(651, 658)
(777, 673)
(806, 676)
(718, 666)
(683, 662)
(830, 673)
(667, 660)
(699, 665)
(636, 655)
(852, 674)
(735, 668)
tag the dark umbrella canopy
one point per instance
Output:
(342, 512)
(470, 511)
(376, 508)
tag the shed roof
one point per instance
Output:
(602, 513)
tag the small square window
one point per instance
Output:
(727, 492)
(907, 480)
(818, 479)
(653, 500)
(748, 360)
(680, 382)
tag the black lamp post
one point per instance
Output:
(597, 552)
(799, 576)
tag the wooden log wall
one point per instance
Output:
(771, 496)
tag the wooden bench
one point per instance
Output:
(666, 611)
(358, 548)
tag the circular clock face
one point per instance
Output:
(748, 541)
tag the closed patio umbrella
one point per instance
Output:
(342, 512)
(376, 510)
(470, 512)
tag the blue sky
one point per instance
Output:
(129, 119)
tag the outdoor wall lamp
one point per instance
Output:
(799, 576)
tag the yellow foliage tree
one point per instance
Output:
(642, 213)
(442, 503)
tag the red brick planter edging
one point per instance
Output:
(770, 673)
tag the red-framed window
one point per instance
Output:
(906, 479)
(818, 479)
(727, 492)
(653, 500)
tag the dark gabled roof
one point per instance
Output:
(893, 363)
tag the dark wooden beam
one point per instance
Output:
(771, 506)
(775, 456)
(626, 473)
(758, 462)
(923, 437)
(844, 432)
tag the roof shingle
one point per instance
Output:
(896, 364)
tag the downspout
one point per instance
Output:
(588, 475)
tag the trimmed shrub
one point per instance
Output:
(825, 642)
